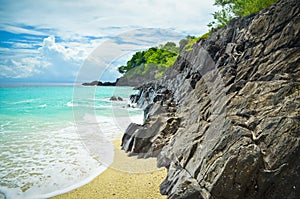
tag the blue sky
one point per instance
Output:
(67, 41)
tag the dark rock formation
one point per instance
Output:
(115, 98)
(225, 120)
(99, 83)
(134, 79)
(159, 111)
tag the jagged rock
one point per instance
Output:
(228, 125)
(147, 140)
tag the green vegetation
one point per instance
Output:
(170, 46)
(157, 59)
(237, 8)
(189, 41)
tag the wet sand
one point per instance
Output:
(127, 177)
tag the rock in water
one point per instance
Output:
(115, 98)
(225, 119)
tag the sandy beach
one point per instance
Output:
(127, 177)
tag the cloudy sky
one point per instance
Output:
(67, 41)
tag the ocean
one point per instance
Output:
(57, 137)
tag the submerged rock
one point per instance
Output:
(225, 119)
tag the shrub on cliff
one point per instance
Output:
(237, 8)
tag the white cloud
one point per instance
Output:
(64, 58)
(19, 30)
(98, 34)
(96, 59)
(100, 18)
(23, 45)
(52, 59)
(24, 68)
(68, 53)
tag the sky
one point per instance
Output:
(79, 41)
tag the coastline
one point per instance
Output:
(127, 177)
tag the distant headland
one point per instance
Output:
(99, 83)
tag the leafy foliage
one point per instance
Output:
(221, 18)
(237, 8)
(157, 59)
(136, 60)
(170, 46)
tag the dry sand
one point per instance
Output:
(127, 177)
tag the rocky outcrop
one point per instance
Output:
(115, 98)
(132, 78)
(99, 83)
(159, 112)
(225, 120)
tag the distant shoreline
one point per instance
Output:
(99, 83)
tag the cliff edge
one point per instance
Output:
(225, 119)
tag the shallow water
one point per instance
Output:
(56, 138)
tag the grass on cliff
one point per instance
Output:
(189, 41)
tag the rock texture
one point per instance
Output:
(225, 120)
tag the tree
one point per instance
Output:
(170, 46)
(237, 8)
(160, 58)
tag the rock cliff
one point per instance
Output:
(132, 78)
(225, 120)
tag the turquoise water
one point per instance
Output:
(56, 138)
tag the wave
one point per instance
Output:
(43, 156)
(22, 101)
(42, 106)
(70, 104)
(75, 186)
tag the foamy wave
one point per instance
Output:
(42, 106)
(70, 104)
(50, 161)
(23, 101)
(77, 185)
